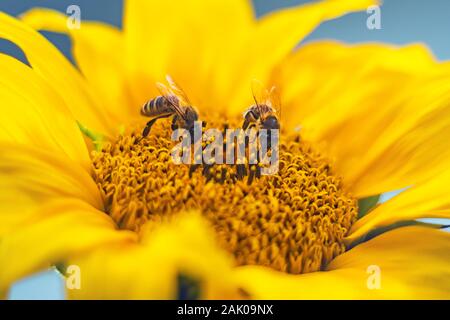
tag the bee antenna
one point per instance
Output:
(254, 98)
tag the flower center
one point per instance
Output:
(293, 221)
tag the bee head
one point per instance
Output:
(271, 122)
(190, 118)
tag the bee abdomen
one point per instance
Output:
(155, 107)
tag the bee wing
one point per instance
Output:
(171, 97)
(259, 92)
(275, 100)
(165, 91)
(182, 96)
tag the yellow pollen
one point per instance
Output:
(293, 221)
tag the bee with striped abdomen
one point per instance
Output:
(172, 102)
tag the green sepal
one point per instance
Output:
(407, 223)
(97, 138)
(60, 267)
(367, 204)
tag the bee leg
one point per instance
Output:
(250, 117)
(245, 127)
(246, 124)
(192, 169)
(151, 123)
(251, 174)
(241, 171)
(269, 140)
(223, 175)
(174, 125)
(258, 167)
(247, 137)
(254, 170)
(207, 172)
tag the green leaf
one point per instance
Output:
(367, 204)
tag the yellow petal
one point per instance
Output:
(388, 127)
(159, 42)
(98, 50)
(274, 38)
(414, 263)
(427, 200)
(317, 71)
(150, 270)
(215, 71)
(30, 177)
(416, 146)
(47, 61)
(33, 114)
(58, 230)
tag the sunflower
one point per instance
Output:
(80, 188)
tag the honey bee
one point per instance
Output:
(173, 101)
(263, 113)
